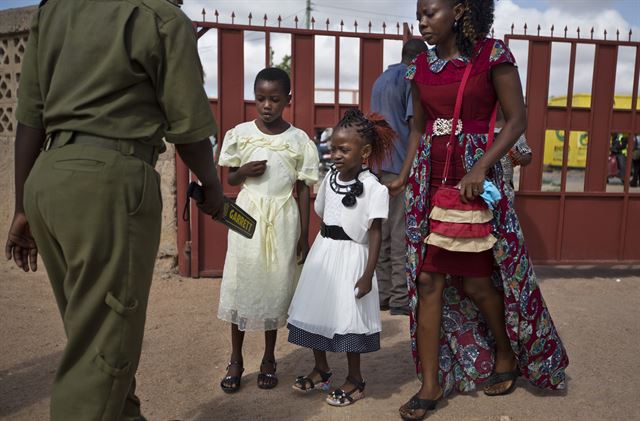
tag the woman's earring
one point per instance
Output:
(455, 25)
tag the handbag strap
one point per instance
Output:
(454, 122)
(456, 116)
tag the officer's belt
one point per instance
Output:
(144, 151)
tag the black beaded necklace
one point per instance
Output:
(351, 191)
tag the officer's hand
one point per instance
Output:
(21, 245)
(213, 200)
(253, 169)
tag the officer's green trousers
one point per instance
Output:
(95, 215)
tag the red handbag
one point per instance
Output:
(453, 224)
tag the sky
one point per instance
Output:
(599, 14)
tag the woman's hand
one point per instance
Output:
(397, 185)
(363, 286)
(471, 185)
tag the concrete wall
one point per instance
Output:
(14, 27)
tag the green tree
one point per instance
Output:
(285, 64)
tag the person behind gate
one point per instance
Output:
(268, 157)
(93, 109)
(391, 97)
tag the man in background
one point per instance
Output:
(391, 97)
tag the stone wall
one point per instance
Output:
(14, 27)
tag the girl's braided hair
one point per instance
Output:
(474, 25)
(374, 130)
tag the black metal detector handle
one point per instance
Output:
(233, 216)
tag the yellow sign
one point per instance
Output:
(578, 141)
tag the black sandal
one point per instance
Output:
(497, 378)
(415, 404)
(234, 380)
(268, 380)
(304, 384)
(341, 398)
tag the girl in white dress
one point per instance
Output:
(268, 158)
(335, 307)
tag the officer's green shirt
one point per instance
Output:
(126, 69)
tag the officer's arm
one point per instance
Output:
(199, 158)
(28, 145)
(20, 243)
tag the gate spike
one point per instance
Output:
(250, 17)
(313, 22)
(384, 27)
(369, 26)
(355, 25)
(630, 33)
(341, 25)
(592, 30)
(552, 28)
(265, 19)
(578, 31)
(513, 25)
(233, 17)
(279, 20)
(398, 28)
(565, 31)
(204, 14)
(296, 21)
(327, 23)
(493, 33)
(605, 34)
(216, 14)
(617, 35)
(525, 28)
(538, 29)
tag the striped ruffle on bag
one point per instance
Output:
(458, 226)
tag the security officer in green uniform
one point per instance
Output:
(103, 82)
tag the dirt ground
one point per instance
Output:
(186, 349)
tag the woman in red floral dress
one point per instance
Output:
(477, 317)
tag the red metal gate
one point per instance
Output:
(587, 220)
(560, 227)
(202, 245)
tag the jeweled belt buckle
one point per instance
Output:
(442, 126)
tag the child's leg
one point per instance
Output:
(353, 361)
(268, 365)
(235, 362)
(321, 360)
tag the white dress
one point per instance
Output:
(259, 275)
(324, 312)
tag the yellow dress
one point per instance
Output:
(259, 276)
